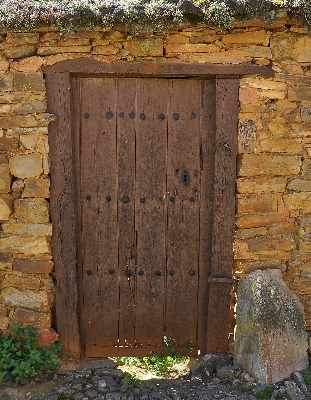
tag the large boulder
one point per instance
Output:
(270, 338)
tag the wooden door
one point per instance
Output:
(89, 149)
(141, 163)
(142, 204)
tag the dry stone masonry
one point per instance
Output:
(273, 224)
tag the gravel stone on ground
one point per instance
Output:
(102, 379)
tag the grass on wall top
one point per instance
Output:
(143, 15)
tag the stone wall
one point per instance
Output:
(274, 166)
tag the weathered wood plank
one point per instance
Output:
(87, 66)
(63, 211)
(150, 215)
(224, 211)
(207, 134)
(126, 103)
(100, 297)
(183, 212)
(136, 351)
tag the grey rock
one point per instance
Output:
(196, 379)
(196, 363)
(83, 374)
(279, 394)
(113, 396)
(79, 396)
(116, 373)
(92, 394)
(210, 361)
(101, 383)
(136, 392)
(270, 340)
(78, 386)
(211, 392)
(110, 382)
(247, 377)
(294, 391)
(223, 372)
(66, 390)
(156, 396)
(298, 378)
(234, 373)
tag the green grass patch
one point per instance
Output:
(265, 393)
(157, 363)
(131, 380)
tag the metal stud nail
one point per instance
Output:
(128, 272)
(125, 199)
(193, 115)
(176, 116)
(142, 116)
(158, 273)
(192, 273)
(172, 199)
(132, 115)
(108, 198)
(191, 198)
(171, 272)
(121, 114)
(111, 271)
(109, 114)
(88, 197)
(86, 115)
(141, 272)
(142, 200)
(161, 117)
(89, 272)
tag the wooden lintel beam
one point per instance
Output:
(85, 66)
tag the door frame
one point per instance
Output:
(64, 205)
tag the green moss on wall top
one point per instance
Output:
(143, 15)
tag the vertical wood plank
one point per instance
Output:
(126, 104)
(207, 134)
(224, 211)
(183, 214)
(150, 215)
(99, 238)
(63, 205)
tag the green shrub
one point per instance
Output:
(307, 377)
(20, 357)
(131, 380)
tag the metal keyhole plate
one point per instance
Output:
(185, 177)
